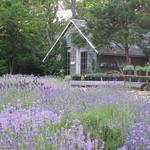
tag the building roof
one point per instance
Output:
(117, 50)
(114, 49)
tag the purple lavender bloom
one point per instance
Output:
(30, 122)
(89, 144)
(53, 139)
(148, 147)
(2, 144)
(123, 148)
(1, 128)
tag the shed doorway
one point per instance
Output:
(83, 62)
(68, 64)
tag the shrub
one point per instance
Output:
(103, 76)
(98, 77)
(56, 62)
(67, 78)
(76, 77)
(82, 77)
(140, 68)
(128, 67)
(148, 69)
(62, 73)
(100, 123)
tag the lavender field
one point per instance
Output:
(43, 113)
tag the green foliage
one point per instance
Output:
(128, 67)
(148, 68)
(84, 7)
(98, 77)
(101, 123)
(27, 31)
(140, 68)
(78, 40)
(25, 97)
(76, 77)
(136, 68)
(3, 67)
(19, 40)
(62, 73)
(82, 77)
(118, 21)
(56, 61)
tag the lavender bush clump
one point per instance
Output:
(139, 133)
(46, 113)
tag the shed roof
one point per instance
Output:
(78, 24)
(134, 50)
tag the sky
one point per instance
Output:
(64, 14)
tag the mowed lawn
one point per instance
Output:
(45, 113)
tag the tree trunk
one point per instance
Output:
(11, 66)
(48, 38)
(73, 9)
(84, 3)
(127, 54)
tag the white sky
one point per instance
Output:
(64, 14)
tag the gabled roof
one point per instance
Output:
(78, 24)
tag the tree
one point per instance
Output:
(48, 11)
(144, 22)
(12, 43)
(57, 59)
(72, 5)
(118, 22)
(27, 30)
(84, 8)
(73, 9)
